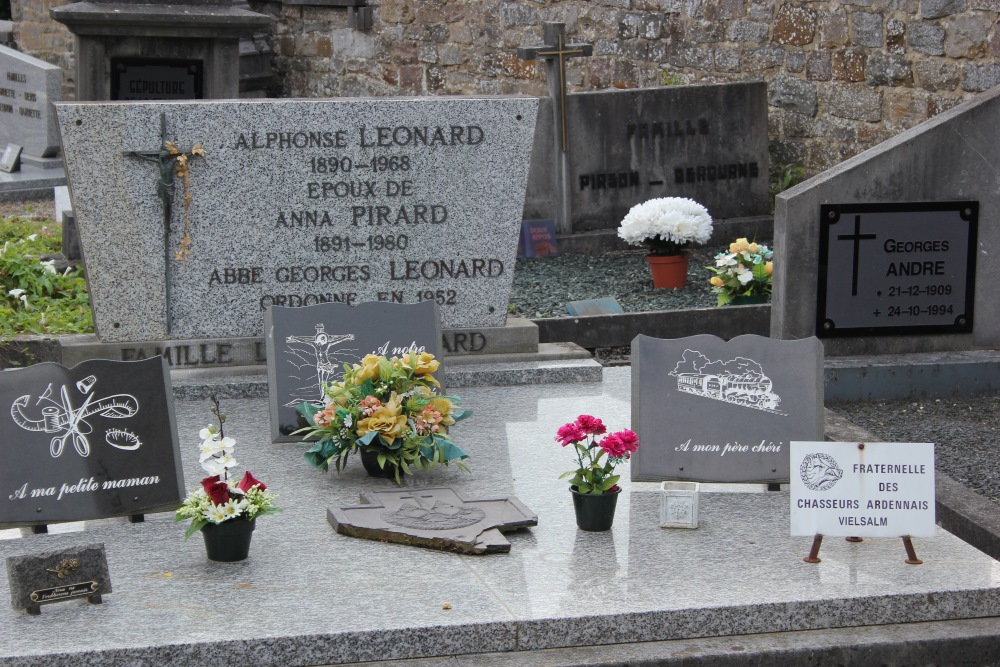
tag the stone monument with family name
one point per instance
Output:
(230, 207)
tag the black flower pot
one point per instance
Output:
(228, 541)
(594, 512)
(369, 459)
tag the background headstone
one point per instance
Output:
(28, 87)
(715, 411)
(308, 347)
(932, 162)
(297, 203)
(94, 441)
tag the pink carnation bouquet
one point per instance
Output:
(596, 459)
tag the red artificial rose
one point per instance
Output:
(248, 482)
(569, 433)
(591, 425)
(208, 482)
(218, 493)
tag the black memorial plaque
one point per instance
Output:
(57, 576)
(135, 79)
(89, 442)
(891, 269)
(308, 346)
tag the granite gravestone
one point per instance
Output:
(296, 203)
(57, 576)
(28, 87)
(93, 441)
(308, 347)
(438, 518)
(892, 269)
(707, 143)
(11, 160)
(932, 162)
(715, 411)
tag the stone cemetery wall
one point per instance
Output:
(950, 158)
(842, 77)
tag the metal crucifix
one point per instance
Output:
(166, 158)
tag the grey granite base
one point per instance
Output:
(309, 596)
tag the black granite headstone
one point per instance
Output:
(715, 411)
(897, 269)
(308, 347)
(93, 441)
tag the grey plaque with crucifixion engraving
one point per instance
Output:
(897, 268)
(439, 518)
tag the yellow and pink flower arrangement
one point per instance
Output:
(744, 271)
(387, 407)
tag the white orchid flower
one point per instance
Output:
(16, 292)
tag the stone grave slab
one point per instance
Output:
(715, 411)
(93, 441)
(308, 347)
(706, 142)
(438, 518)
(28, 88)
(296, 203)
(57, 576)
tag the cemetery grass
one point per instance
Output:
(35, 298)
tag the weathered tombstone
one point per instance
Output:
(910, 268)
(308, 347)
(705, 142)
(715, 411)
(296, 203)
(438, 518)
(925, 167)
(184, 49)
(93, 441)
(11, 160)
(28, 88)
(57, 576)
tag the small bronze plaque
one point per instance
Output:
(56, 576)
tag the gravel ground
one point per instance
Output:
(964, 432)
(543, 286)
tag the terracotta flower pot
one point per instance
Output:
(669, 271)
(594, 512)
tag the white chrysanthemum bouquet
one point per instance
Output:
(666, 225)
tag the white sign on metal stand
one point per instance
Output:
(850, 489)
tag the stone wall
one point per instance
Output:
(842, 76)
(36, 34)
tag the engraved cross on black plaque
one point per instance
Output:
(857, 237)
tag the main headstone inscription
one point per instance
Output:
(715, 411)
(308, 347)
(897, 268)
(93, 441)
(708, 143)
(28, 86)
(295, 203)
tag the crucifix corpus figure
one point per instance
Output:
(555, 52)
(172, 161)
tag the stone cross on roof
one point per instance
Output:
(439, 518)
